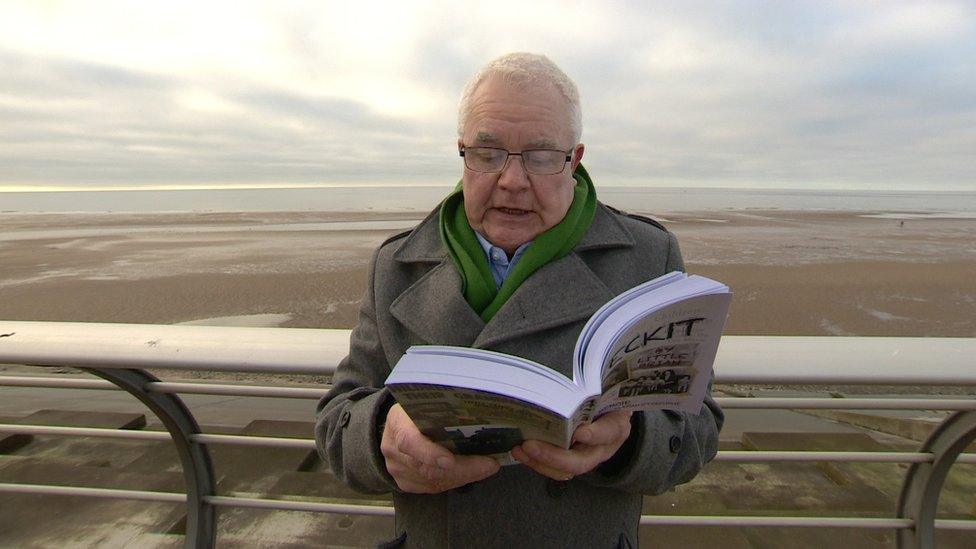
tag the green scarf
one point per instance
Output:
(477, 282)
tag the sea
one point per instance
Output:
(415, 199)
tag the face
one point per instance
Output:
(512, 207)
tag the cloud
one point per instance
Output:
(830, 94)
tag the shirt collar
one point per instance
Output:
(488, 247)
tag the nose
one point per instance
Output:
(513, 177)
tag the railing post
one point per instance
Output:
(919, 497)
(201, 531)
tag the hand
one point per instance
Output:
(421, 466)
(593, 444)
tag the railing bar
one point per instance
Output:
(111, 493)
(244, 440)
(236, 390)
(877, 457)
(84, 432)
(829, 522)
(286, 505)
(954, 524)
(312, 393)
(826, 403)
(56, 382)
(344, 508)
(279, 442)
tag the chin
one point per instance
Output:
(509, 240)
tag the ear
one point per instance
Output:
(577, 155)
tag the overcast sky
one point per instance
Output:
(863, 95)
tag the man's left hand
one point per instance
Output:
(593, 444)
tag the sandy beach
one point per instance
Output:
(793, 272)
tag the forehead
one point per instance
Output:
(518, 114)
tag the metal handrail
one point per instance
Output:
(786, 360)
(737, 456)
(111, 349)
(765, 403)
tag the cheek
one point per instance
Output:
(477, 193)
(558, 203)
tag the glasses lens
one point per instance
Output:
(484, 159)
(544, 162)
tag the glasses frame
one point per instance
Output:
(510, 154)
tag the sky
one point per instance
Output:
(790, 94)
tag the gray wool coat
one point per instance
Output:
(414, 297)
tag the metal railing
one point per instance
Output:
(118, 353)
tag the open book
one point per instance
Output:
(649, 348)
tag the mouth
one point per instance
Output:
(513, 211)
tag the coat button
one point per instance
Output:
(674, 444)
(344, 418)
(555, 488)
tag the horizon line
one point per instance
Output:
(55, 188)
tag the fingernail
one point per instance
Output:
(444, 462)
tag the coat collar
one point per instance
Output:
(559, 293)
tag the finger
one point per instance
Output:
(581, 458)
(540, 467)
(612, 428)
(468, 469)
(432, 480)
(410, 441)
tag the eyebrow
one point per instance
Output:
(485, 137)
(543, 143)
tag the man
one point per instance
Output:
(514, 261)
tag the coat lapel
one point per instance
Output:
(433, 307)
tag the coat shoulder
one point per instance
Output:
(642, 228)
(628, 218)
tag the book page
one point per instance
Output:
(468, 421)
(664, 361)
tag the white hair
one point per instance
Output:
(525, 68)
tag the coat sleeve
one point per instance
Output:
(665, 448)
(349, 417)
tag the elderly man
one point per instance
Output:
(515, 260)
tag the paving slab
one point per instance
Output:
(248, 528)
(94, 451)
(255, 527)
(819, 538)
(162, 456)
(685, 537)
(35, 520)
(323, 485)
(797, 499)
(738, 421)
(905, 424)
(209, 409)
(813, 442)
(81, 418)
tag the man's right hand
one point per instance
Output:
(421, 466)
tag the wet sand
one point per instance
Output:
(797, 273)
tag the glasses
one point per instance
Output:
(534, 161)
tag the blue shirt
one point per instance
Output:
(498, 261)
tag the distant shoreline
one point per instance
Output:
(422, 198)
